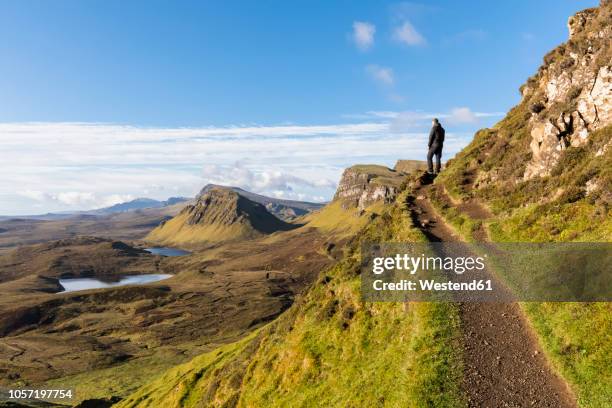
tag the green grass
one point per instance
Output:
(176, 386)
(331, 349)
(119, 380)
(177, 231)
(580, 221)
(576, 337)
(333, 219)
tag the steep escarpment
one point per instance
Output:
(362, 185)
(548, 161)
(362, 193)
(571, 95)
(220, 214)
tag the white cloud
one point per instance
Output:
(462, 115)
(465, 115)
(363, 35)
(407, 34)
(33, 195)
(76, 198)
(113, 199)
(70, 166)
(406, 120)
(380, 74)
(270, 180)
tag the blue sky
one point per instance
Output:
(103, 101)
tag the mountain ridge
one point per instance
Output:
(218, 215)
(284, 209)
(140, 203)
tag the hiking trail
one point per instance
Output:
(504, 365)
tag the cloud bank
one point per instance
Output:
(70, 166)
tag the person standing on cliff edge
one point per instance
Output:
(436, 141)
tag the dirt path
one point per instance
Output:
(503, 363)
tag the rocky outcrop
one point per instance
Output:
(571, 95)
(217, 206)
(363, 185)
(410, 166)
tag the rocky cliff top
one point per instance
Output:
(553, 148)
(363, 185)
(571, 94)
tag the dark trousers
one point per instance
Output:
(434, 150)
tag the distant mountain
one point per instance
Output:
(138, 204)
(219, 214)
(284, 209)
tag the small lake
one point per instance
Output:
(74, 284)
(165, 251)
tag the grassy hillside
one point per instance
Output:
(338, 221)
(568, 199)
(178, 232)
(570, 204)
(331, 349)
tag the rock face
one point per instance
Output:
(571, 95)
(363, 185)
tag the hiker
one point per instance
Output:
(436, 140)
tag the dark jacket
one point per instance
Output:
(436, 136)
